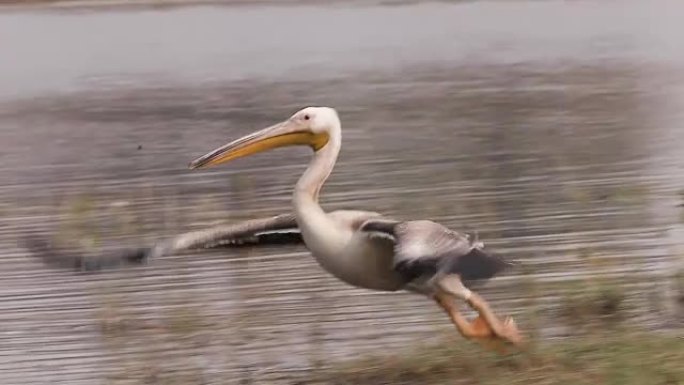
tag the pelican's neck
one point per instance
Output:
(316, 227)
(309, 185)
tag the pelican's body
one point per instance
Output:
(353, 256)
(363, 249)
(334, 239)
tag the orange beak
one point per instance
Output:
(282, 134)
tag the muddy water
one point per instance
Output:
(553, 128)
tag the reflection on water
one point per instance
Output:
(572, 168)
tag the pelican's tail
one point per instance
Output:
(476, 266)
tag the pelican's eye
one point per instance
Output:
(307, 117)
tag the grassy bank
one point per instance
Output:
(616, 357)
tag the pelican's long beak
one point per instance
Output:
(287, 133)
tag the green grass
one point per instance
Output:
(586, 304)
(612, 357)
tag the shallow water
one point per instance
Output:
(561, 145)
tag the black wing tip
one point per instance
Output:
(34, 243)
(479, 265)
(139, 255)
(44, 249)
(271, 239)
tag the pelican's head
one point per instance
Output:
(311, 126)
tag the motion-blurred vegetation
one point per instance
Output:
(599, 349)
(598, 302)
(603, 356)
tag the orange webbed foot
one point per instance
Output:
(485, 335)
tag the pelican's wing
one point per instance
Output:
(428, 248)
(274, 230)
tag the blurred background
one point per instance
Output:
(554, 128)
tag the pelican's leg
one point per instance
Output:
(507, 330)
(476, 330)
(467, 329)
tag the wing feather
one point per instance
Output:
(426, 248)
(274, 230)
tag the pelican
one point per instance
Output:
(361, 248)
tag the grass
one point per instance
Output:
(594, 302)
(619, 357)
(601, 350)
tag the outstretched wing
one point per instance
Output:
(426, 248)
(281, 229)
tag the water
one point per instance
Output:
(561, 145)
